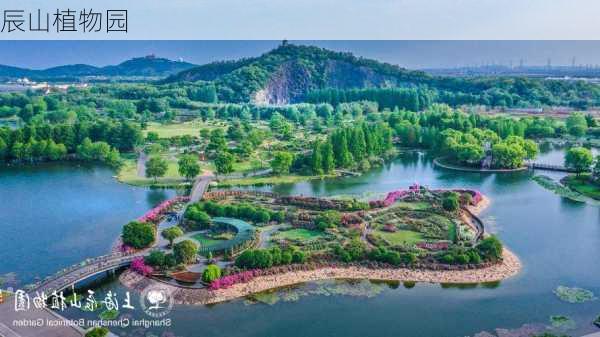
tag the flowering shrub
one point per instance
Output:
(139, 266)
(154, 214)
(389, 199)
(229, 280)
(126, 249)
(394, 196)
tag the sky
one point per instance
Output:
(409, 54)
(335, 19)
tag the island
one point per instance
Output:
(234, 243)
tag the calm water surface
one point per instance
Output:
(54, 215)
(557, 240)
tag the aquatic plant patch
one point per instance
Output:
(562, 322)
(574, 295)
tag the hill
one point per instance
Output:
(294, 73)
(148, 66)
(289, 72)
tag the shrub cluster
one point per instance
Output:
(138, 234)
(392, 257)
(266, 258)
(241, 211)
(211, 273)
(159, 259)
(328, 219)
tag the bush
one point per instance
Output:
(278, 216)
(286, 257)
(450, 201)
(211, 273)
(97, 332)
(185, 251)
(490, 248)
(265, 258)
(138, 234)
(262, 216)
(156, 258)
(200, 218)
(298, 257)
(328, 219)
(447, 258)
(172, 233)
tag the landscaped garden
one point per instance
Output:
(431, 228)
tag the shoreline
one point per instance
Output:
(439, 162)
(508, 267)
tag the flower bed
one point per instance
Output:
(154, 214)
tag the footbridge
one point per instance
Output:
(550, 167)
(79, 272)
(10, 319)
(200, 187)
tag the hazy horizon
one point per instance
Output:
(408, 54)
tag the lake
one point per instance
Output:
(54, 215)
(558, 241)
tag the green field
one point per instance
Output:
(298, 234)
(191, 128)
(205, 241)
(400, 237)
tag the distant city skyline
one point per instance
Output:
(408, 54)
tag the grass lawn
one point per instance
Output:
(128, 174)
(191, 128)
(583, 185)
(270, 180)
(400, 237)
(205, 241)
(298, 234)
(419, 205)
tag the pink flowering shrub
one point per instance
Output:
(139, 266)
(126, 249)
(229, 280)
(391, 198)
(394, 196)
(154, 214)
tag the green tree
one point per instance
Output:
(211, 273)
(576, 124)
(579, 159)
(281, 163)
(155, 258)
(316, 162)
(156, 167)
(138, 234)
(200, 218)
(172, 233)
(490, 248)
(224, 162)
(185, 251)
(450, 201)
(217, 140)
(328, 163)
(188, 166)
